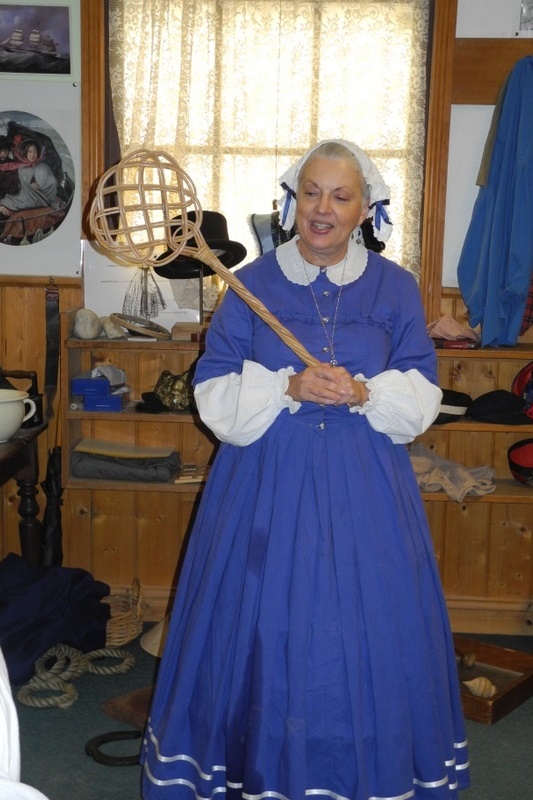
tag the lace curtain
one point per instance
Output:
(237, 90)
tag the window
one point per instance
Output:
(236, 90)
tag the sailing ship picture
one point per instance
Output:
(35, 39)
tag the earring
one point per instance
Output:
(359, 234)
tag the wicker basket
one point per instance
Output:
(126, 620)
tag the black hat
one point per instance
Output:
(501, 407)
(214, 229)
(151, 404)
(454, 405)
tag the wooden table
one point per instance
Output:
(19, 459)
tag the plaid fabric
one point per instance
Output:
(527, 319)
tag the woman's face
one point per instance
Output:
(329, 206)
(31, 153)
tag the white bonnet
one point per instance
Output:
(378, 189)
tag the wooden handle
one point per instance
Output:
(206, 256)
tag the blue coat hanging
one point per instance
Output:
(496, 262)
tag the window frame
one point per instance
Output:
(93, 55)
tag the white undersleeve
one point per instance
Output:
(240, 408)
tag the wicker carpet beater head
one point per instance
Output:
(133, 215)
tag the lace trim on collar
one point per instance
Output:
(291, 264)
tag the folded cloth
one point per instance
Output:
(434, 473)
(448, 328)
(144, 470)
(115, 375)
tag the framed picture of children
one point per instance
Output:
(37, 179)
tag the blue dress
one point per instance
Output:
(309, 650)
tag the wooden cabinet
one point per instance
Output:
(484, 545)
(120, 530)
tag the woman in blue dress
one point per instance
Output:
(309, 652)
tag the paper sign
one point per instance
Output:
(107, 284)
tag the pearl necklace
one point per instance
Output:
(323, 319)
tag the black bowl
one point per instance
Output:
(520, 458)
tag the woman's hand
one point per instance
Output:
(327, 385)
(5, 211)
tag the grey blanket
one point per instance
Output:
(143, 470)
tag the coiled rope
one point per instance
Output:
(50, 686)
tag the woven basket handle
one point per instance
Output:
(142, 176)
(206, 256)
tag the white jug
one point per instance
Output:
(13, 411)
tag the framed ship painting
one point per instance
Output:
(39, 39)
(523, 18)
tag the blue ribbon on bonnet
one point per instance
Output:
(289, 197)
(380, 214)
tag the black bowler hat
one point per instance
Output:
(500, 407)
(454, 405)
(214, 229)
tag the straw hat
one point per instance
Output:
(153, 641)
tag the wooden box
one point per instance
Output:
(509, 670)
(188, 332)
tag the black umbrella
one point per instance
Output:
(52, 551)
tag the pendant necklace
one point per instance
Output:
(324, 319)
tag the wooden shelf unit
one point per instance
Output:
(142, 363)
(120, 530)
(484, 545)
